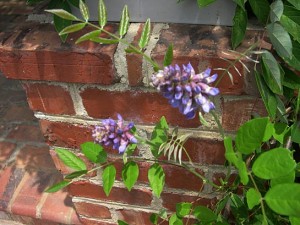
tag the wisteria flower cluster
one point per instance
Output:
(185, 89)
(114, 133)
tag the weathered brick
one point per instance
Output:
(141, 107)
(48, 98)
(18, 113)
(6, 149)
(134, 217)
(35, 52)
(135, 69)
(89, 190)
(26, 133)
(92, 221)
(90, 209)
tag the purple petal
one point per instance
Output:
(178, 95)
(210, 79)
(191, 115)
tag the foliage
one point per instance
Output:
(263, 150)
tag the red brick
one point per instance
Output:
(88, 221)
(17, 113)
(138, 106)
(237, 111)
(6, 149)
(92, 210)
(50, 99)
(89, 190)
(34, 157)
(26, 133)
(35, 52)
(171, 199)
(135, 69)
(134, 217)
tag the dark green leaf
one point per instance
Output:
(295, 220)
(154, 218)
(295, 130)
(156, 177)
(63, 14)
(267, 95)
(238, 208)
(128, 152)
(280, 39)
(240, 3)
(295, 3)
(70, 159)
(159, 136)
(130, 173)
(261, 9)
(291, 79)
(183, 209)
(57, 187)
(72, 28)
(203, 3)
(88, 36)
(76, 174)
(284, 199)
(174, 220)
(290, 20)
(102, 14)
(272, 73)
(274, 163)
(108, 177)
(84, 10)
(288, 178)
(280, 131)
(145, 34)
(204, 214)
(251, 134)
(121, 222)
(74, 3)
(168, 56)
(294, 61)
(94, 152)
(276, 11)
(104, 40)
(124, 23)
(239, 26)
(253, 198)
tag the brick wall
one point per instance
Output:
(71, 87)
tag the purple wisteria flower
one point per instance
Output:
(114, 133)
(185, 89)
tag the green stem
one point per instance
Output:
(218, 123)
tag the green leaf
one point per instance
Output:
(240, 3)
(261, 9)
(174, 220)
(121, 222)
(229, 153)
(204, 214)
(295, 220)
(128, 152)
(108, 177)
(238, 208)
(291, 80)
(72, 28)
(284, 199)
(274, 163)
(168, 56)
(74, 3)
(57, 187)
(276, 11)
(239, 26)
(94, 152)
(70, 159)
(124, 23)
(154, 218)
(280, 39)
(145, 34)
(294, 61)
(272, 73)
(243, 172)
(84, 10)
(280, 131)
(102, 14)
(253, 198)
(251, 134)
(156, 177)
(88, 36)
(288, 178)
(104, 40)
(159, 136)
(295, 3)
(295, 131)
(63, 14)
(75, 174)
(130, 173)
(290, 20)
(183, 209)
(267, 95)
(203, 3)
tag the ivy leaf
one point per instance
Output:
(280, 39)
(284, 199)
(72, 28)
(94, 152)
(261, 9)
(253, 198)
(168, 56)
(159, 136)
(272, 73)
(88, 36)
(84, 11)
(276, 11)
(156, 177)
(239, 26)
(102, 14)
(130, 173)
(124, 23)
(204, 214)
(57, 187)
(290, 20)
(70, 159)
(183, 209)
(108, 177)
(203, 3)
(274, 163)
(63, 14)
(295, 3)
(145, 34)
